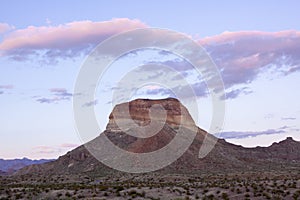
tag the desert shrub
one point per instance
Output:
(18, 196)
(58, 195)
(119, 188)
(103, 188)
(266, 195)
(143, 194)
(68, 194)
(225, 196)
(295, 195)
(205, 191)
(132, 192)
(152, 198)
(211, 196)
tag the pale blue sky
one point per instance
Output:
(36, 114)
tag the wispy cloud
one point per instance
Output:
(4, 27)
(46, 150)
(68, 145)
(62, 92)
(245, 134)
(241, 56)
(6, 87)
(45, 100)
(65, 40)
(56, 95)
(91, 103)
(234, 93)
(288, 118)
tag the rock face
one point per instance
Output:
(225, 157)
(140, 111)
(159, 118)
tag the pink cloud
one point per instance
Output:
(56, 149)
(73, 36)
(58, 90)
(241, 56)
(68, 145)
(229, 37)
(5, 27)
(46, 150)
(6, 86)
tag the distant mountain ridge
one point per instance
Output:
(11, 165)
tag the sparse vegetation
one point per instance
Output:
(217, 186)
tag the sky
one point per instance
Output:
(43, 45)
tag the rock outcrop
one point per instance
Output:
(224, 157)
(142, 111)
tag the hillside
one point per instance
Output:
(224, 157)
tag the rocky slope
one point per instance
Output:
(225, 157)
